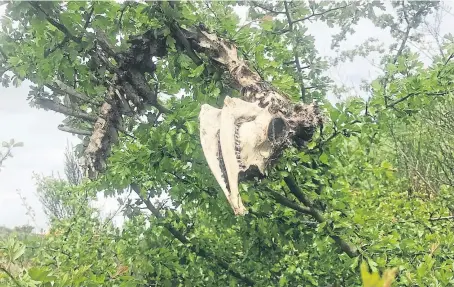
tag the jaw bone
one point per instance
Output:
(240, 136)
(210, 124)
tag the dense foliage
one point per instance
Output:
(374, 185)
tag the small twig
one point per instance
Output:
(120, 20)
(321, 13)
(258, 5)
(8, 152)
(295, 54)
(445, 64)
(88, 19)
(442, 218)
(311, 16)
(56, 47)
(391, 105)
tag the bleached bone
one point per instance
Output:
(234, 112)
(210, 124)
(240, 138)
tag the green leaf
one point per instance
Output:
(311, 145)
(304, 157)
(324, 158)
(267, 23)
(38, 273)
(283, 281)
(197, 71)
(18, 144)
(191, 126)
(18, 252)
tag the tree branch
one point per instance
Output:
(70, 91)
(258, 5)
(140, 84)
(288, 203)
(105, 134)
(401, 48)
(296, 191)
(183, 239)
(350, 250)
(391, 105)
(74, 130)
(10, 276)
(55, 23)
(56, 47)
(59, 108)
(122, 11)
(442, 218)
(311, 16)
(5, 156)
(321, 13)
(88, 19)
(185, 43)
(296, 55)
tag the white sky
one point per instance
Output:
(44, 148)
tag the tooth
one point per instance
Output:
(209, 137)
(233, 110)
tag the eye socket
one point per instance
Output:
(277, 129)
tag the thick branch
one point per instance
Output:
(296, 191)
(140, 84)
(185, 43)
(104, 43)
(350, 250)
(59, 108)
(288, 203)
(196, 249)
(72, 92)
(74, 130)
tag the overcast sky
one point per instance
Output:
(44, 144)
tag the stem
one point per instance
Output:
(350, 250)
(10, 276)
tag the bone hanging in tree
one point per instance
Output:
(248, 134)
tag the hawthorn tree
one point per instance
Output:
(131, 78)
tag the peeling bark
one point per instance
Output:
(104, 135)
(129, 92)
(302, 118)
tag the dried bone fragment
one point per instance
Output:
(242, 137)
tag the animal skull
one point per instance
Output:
(239, 140)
